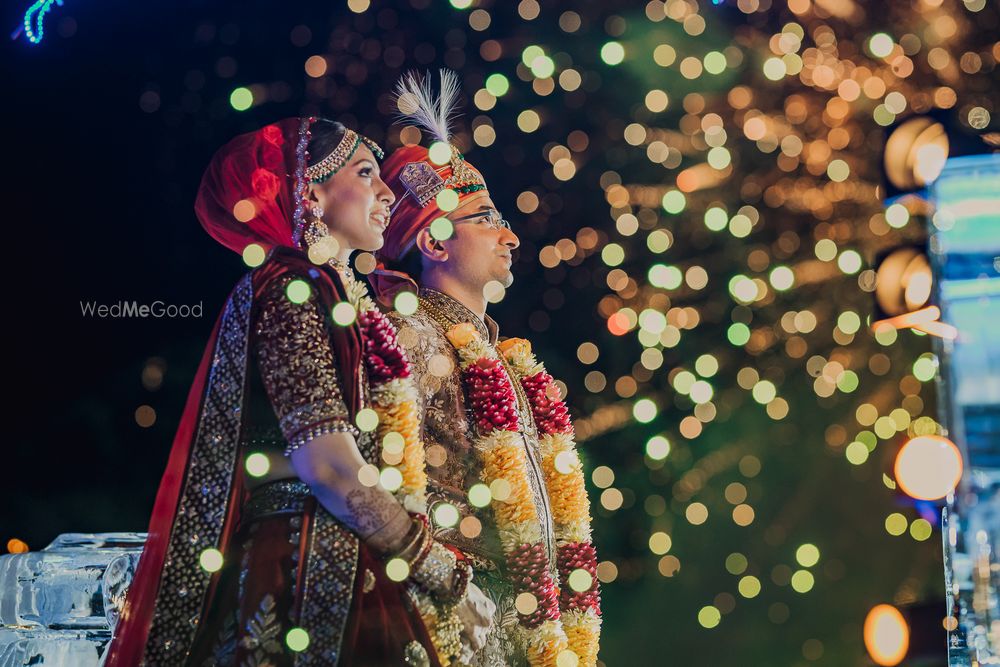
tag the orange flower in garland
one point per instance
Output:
(462, 335)
(490, 394)
(580, 598)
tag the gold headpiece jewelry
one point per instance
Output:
(418, 105)
(332, 163)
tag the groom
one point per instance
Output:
(505, 487)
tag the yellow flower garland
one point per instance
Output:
(395, 404)
(564, 480)
(517, 517)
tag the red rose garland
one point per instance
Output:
(384, 358)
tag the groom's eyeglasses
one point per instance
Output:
(489, 217)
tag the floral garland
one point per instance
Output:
(394, 396)
(491, 398)
(394, 400)
(580, 610)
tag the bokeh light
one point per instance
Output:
(887, 635)
(928, 467)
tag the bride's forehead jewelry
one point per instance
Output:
(341, 155)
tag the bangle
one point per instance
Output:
(460, 579)
(434, 570)
(412, 537)
(423, 549)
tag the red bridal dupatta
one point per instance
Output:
(198, 505)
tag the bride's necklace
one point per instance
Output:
(357, 291)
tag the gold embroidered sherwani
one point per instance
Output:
(453, 466)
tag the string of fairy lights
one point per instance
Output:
(33, 25)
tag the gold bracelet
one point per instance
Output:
(425, 544)
(411, 538)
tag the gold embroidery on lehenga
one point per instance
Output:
(214, 451)
(224, 650)
(244, 569)
(331, 565)
(369, 581)
(297, 366)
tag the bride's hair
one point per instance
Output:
(326, 134)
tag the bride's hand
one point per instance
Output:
(476, 613)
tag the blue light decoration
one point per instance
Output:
(965, 256)
(965, 253)
(34, 19)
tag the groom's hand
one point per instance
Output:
(476, 613)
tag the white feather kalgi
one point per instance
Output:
(419, 106)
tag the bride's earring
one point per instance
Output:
(316, 229)
(322, 247)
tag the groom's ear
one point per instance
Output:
(430, 247)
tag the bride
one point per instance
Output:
(290, 526)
